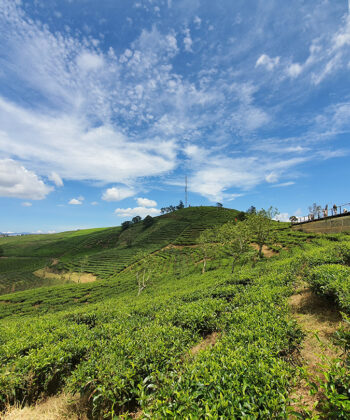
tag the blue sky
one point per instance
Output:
(106, 105)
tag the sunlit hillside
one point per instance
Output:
(150, 335)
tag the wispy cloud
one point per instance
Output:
(136, 211)
(121, 114)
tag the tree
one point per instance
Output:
(128, 237)
(251, 210)
(180, 205)
(315, 210)
(148, 221)
(236, 236)
(126, 224)
(261, 226)
(219, 205)
(144, 272)
(136, 219)
(293, 219)
(205, 240)
(241, 216)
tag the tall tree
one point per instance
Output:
(205, 240)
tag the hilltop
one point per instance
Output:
(154, 337)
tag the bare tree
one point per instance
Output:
(315, 210)
(142, 278)
(205, 240)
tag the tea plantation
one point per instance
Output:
(132, 343)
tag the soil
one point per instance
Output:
(209, 341)
(267, 252)
(319, 319)
(59, 407)
(73, 276)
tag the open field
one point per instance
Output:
(154, 337)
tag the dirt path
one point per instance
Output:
(209, 341)
(60, 407)
(316, 316)
(267, 252)
(67, 276)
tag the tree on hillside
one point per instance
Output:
(219, 205)
(205, 240)
(128, 237)
(241, 216)
(148, 221)
(236, 237)
(293, 219)
(144, 271)
(251, 210)
(136, 219)
(261, 226)
(180, 205)
(126, 224)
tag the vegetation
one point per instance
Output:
(133, 342)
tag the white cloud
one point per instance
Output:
(91, 153)
(282, 217)
(137, 211)
(268, 62)
(145, 202)
(76, 201)
(88, 61)
(187, 40)
(94, 203)
(197, 21)
(294, 70)
(283, 184)
(271, 177)
(27, 204)
(215, 175)
(16, 181)
(117, 193)
(54, 177)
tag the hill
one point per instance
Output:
(160, 339)
(101, 252)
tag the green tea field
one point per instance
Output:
(173, 326)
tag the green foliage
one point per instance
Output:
(148, 221)
(261, 226)
(125, 225)
(333, 280)
(126, 351)
(236, 237)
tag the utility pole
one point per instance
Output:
(186, 191)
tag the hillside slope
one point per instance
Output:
(102, 252)
(163, 340)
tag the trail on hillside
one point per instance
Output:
(57, 407)
(319, 320)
